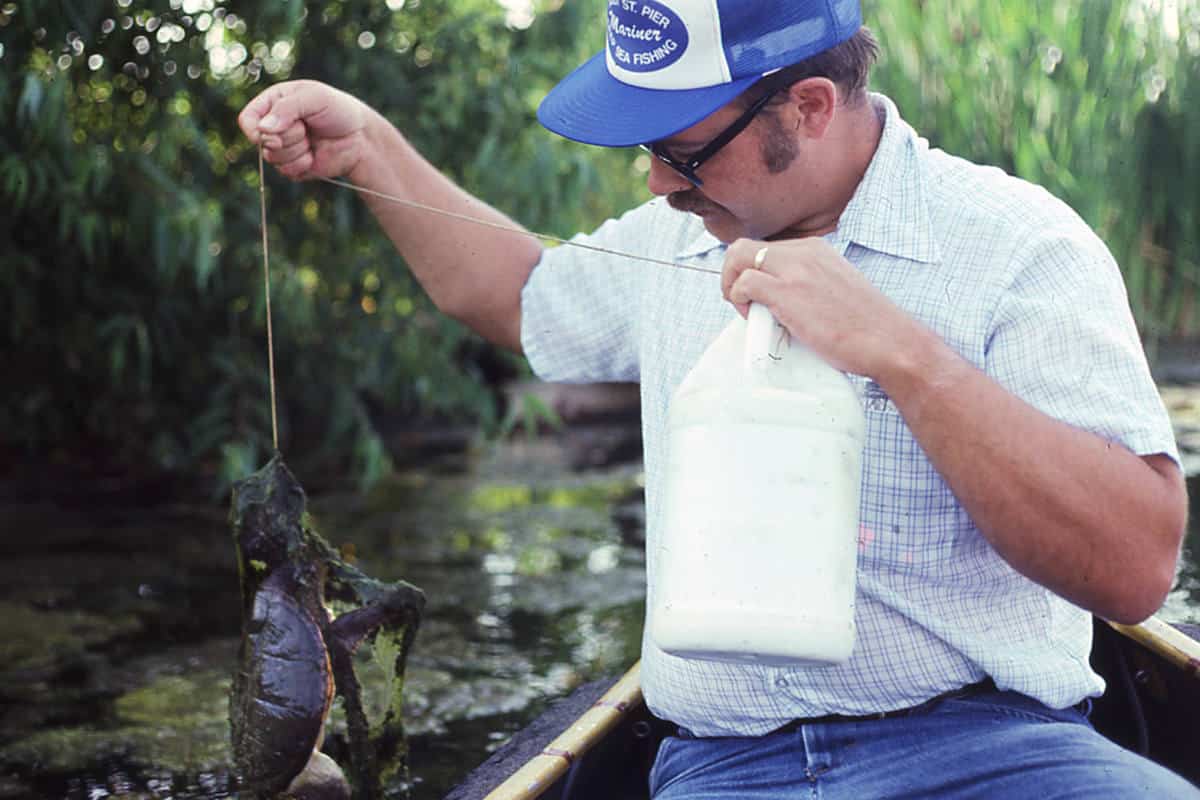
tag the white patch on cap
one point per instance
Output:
(657, 45)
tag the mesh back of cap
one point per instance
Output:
(761, 36)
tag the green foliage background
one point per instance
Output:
(131, 304)
(1098, 101)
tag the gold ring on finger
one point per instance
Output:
(760, 258)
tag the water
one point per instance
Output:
(119, 627)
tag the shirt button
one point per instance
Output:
(781, 682)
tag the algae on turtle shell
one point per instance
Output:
(295, 655)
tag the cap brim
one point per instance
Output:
(593, 107)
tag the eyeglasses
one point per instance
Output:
(688, 167)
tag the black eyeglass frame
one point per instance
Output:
(688, 168)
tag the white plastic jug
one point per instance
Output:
(756, 561)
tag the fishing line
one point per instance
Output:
(262, 195)
(262, 198)
(512, 229)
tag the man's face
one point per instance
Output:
(748, 186)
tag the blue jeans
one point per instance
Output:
(989, 745)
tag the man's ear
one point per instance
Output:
(811, 105)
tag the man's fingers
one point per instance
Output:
(298, 167)
(751, 285)
(294, 134)
(280, 155)
(280, 111)
(738, 258)
(291, 136)
(250, 118)
(290, 108)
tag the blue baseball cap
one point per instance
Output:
(668, 64)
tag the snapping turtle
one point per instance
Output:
(295, 655)
(284, 689)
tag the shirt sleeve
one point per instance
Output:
(579, 307)
(1064, 340)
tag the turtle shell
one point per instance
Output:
(283, 687)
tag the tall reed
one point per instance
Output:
(1092, 100)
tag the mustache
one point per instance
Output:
(688, 200)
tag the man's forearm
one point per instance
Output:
(471, 272)
(1082, 516)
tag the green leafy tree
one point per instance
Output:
(132, 275)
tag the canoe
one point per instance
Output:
(600, 741)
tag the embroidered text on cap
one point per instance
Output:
(644, 35)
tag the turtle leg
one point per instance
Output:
(363, 765)
(351, 585)
(399, 608)
(390, 742)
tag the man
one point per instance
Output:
(1019, 470)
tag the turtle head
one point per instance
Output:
(266, 516)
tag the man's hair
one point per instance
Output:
(847, 64)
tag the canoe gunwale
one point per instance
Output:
(541, 771)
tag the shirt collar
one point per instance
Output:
(888, 212)
(701, 243)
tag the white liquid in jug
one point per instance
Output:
(756, 561)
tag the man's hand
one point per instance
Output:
(822, 300)
(307, 129)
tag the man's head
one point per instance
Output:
(725, 94)
(846, 64)
(668, 64)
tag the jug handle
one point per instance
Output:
(766, 339)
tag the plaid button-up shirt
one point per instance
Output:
(1006, 274)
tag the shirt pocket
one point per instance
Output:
(909, 517)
